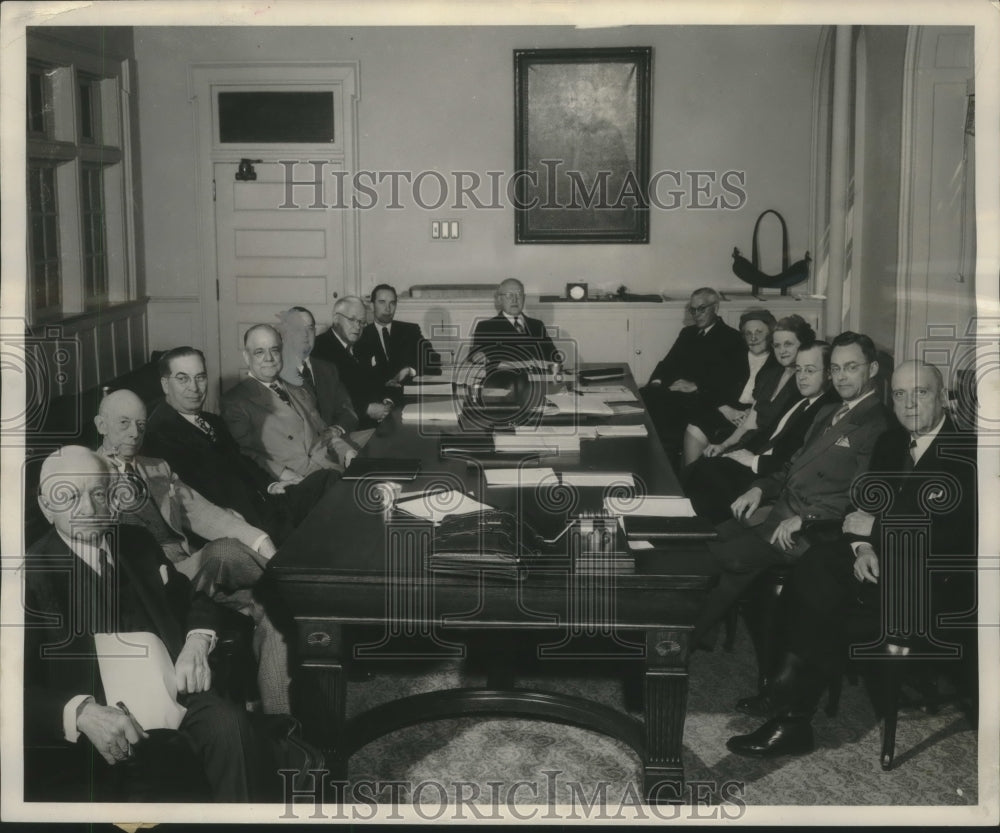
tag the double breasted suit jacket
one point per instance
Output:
(278, 436)
(363, 383)
(816, 483)
(407, 348)
(499, 340)
(60, 592)
(217, 469)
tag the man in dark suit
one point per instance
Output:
(811, 491)
(317, 376)
(924, 470)
(199, 448)
(701, 370)
(275, 424)
(371, 398)
(713, 483)
(511, 335)
(84, 577)
(396, 350)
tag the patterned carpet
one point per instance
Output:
(491, 761)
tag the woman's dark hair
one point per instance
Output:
(800, 327)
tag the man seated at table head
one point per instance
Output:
(834, 596)
(373, 401)
(701, 370)
(511, 335)
(396, 350)
(277, 425)
(87, 576)
(199, 448)
(222, 554)
(317, 376)
(811, 491)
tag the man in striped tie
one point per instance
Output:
(812, 493)
(511, 335)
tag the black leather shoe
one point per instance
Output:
(780, 736)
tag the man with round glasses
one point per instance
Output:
(700, 371)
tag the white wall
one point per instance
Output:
(724, 98)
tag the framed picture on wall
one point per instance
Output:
(581, 145)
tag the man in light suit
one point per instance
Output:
(86, 577)
(812, 491)
(215, 548)
(199, 448)
(396, 350)
(927, 469)
(511, 335)
(275, 424)
(317, 376)
(373, 400)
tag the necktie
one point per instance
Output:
(106, 601)
(282, 393)
(137, 508)
(519, 325)
(385, 342)
(910, 459)
(202, 423)
(837, 417)
(307, 376)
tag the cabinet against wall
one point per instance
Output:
(591, 331)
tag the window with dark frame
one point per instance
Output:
(95, 260)
(43, 241)
(39, 99)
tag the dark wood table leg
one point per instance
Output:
(665, 709)
(319, 698)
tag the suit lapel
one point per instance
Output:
(822, 438)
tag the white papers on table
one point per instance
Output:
(543, 432)
(639, 545)
(136, 670)
(651, 506)
(549, 443)
(434, 506)
(558, 376)
(520, 478)
(432, 410)
(625, 408)
(611, 393)
(424, 379)
(576, 403)
(621, 430)
(597, 478)
(437, 388)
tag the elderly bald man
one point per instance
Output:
(373, 400)
(221, 553)
(86, 577)
(928, 467)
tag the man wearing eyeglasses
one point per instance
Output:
(811, 495)
(511, 335)
(701, 370)
(372, 400)
(200, 449)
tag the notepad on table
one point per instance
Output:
(654, 506)
(435, 506)
(437, 388)
(597, 478)
(519, 477)
(432, 410)
(622, 430)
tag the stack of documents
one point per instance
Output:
(433, 410)
(545, 444)
(602, 479)
(621, 430)
(655, 506)
(436, 388)
(580, 403)
(520, 478)
(611, 393)
(583, 432)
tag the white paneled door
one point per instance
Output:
(271, 258)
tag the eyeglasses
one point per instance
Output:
(807, 370)
(272, 352)
(512, 296)
(359, 321)
(919, 393)
(700, 309)
(184, 380)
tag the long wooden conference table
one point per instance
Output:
(356, 582)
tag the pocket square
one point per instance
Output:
(843, 442)
(164, 575)
(373, 361)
